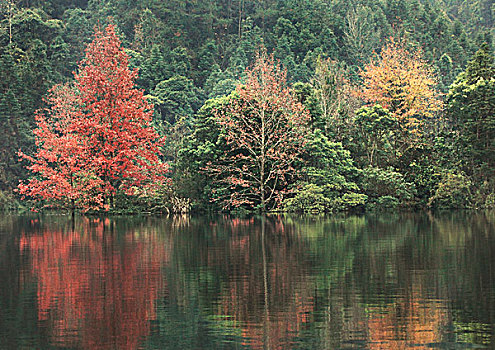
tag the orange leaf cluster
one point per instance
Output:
(404, 83)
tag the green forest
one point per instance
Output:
(247, 105)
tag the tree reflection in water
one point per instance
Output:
(267, 292)
(94, 291)
(374, 282)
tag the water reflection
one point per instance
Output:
(267, 293)
(93, 291)
(345, 282)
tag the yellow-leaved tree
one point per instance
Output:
(404, 83)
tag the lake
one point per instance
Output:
(376, 281)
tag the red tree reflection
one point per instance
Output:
(266, 295)
(96, 287)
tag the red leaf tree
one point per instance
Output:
(95, 139)
(265, 128)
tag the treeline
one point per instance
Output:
(426, 141)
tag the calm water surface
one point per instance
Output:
(388, 281)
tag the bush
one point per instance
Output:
(350, 201)
(8, 202)
(453, 191)
(309, 199)
(482, 194)
(312, 198)
(386, 188)
(387, 202)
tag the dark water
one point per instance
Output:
(387, 281)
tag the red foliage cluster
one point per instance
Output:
(96, 138)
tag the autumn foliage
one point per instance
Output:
(404, 83)
(265, 128)
(95, 139)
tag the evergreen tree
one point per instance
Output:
(471, 104)
(176, 97)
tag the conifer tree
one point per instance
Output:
(471, 104)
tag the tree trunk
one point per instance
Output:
(266, 322)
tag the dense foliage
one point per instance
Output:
(95, 140)
(399, 94)
(265, 129)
